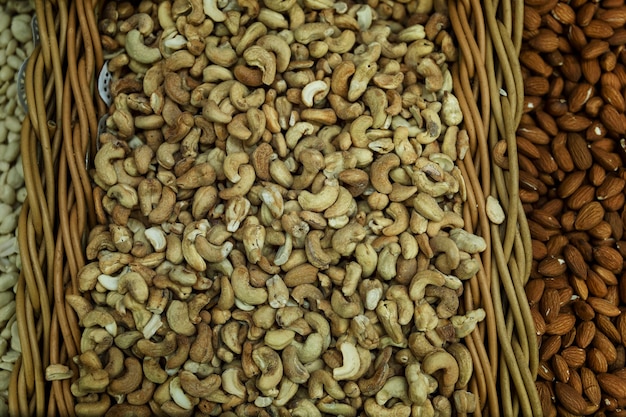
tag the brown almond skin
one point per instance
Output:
(612, 385)
(570, 399)
(589, 216)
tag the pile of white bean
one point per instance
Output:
(16, 44)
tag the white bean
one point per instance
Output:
(5, 21)
(5, 378)
(22, 194)
(15, 177)
(9, 223)
(15, 337)
(20, 28)
(7, 281)
(3, 346)
(13, 124)
(8, 195)
(10, 357)
(5, 37)
(11, 48)
(5, 210)
(6, 73)
(5, 297)
(12, 152)
(14, 62)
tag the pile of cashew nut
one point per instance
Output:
(280, 213)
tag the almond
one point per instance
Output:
(536, 230)
(547, 165)
(565, 296)
(574, 356)
(615, 18)
(544, 6)
(602, 231)
(571, 400)
(584, 14)
(545, 41)
(575, 381)
(596, 361)
(549, 347)
(605, 325)
(610, 161)
(532, 19)
(536, 86)
(547, 123)
(545, 371)
(539, 252)
(550, 304)
(564, 14)
(609, 258)
(618, 38)
(579, 150)
(545, 219)
(534, 290)
(583, 195)
(573, 123)
(594, 49)
(601, 342)
(580, 287)
(531, 183)
(534, 62)
(606, 275)
(597, 29)
(552, 267)
(612, 96)
(583, 310)
(561, 325)
(562, 157)
(614, 203)
(611, 186)
(601, 306)
(621, 326)
(617, 228)
(570, 184)
(579, 96)
(585, 332)
(534, 134)
(571, 69)
(596, 174)
(591, 70)
(595, 285)
(575, 261)
(538, 321)
(610, 79)
(576, 37)
(591, 388)
(560, 368)
(589, 216)
(545, 397)
(613, 119)
(527, 148)
(612, 385)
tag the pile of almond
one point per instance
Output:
(572, 185)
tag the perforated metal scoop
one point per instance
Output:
(21, 73)
(104, 84)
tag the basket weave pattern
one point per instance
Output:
(59, 138)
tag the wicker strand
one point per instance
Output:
(60, 126)
(489, 34)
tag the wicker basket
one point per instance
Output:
(59, 137)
